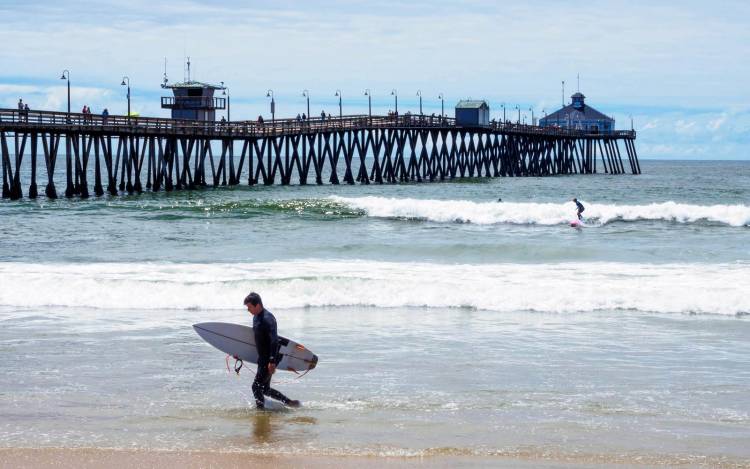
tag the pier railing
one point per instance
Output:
(62, 121)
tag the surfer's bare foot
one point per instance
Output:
(294, 403)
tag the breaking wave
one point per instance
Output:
(558, 288)
(485, 213)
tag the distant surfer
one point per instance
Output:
(579, 208)
(267, 343)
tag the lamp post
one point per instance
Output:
(532, 115)
(369, 102)
(519, 114)
(269, 94)
(442, 104)
(306, 94)
(126, 81)
(419, 93)
(394, 93)
(66, 76)
(503, 106)
(224, 93)
(338, 93)
(631, 123)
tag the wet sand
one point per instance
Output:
(85, 458)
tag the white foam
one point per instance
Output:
(465, 211)
(560, 288)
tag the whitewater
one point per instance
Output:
(503, 288)
(485, 213)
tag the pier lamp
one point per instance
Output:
(126, 81)
(441, 97)
(269, 94)
(369, 102)
(503, 106)
(419, 93)
(338, 93)
(306, 94)
(519, 113)
(224, 93)
(66, 76)
(532, 115)
(631, 123)
(394, 93)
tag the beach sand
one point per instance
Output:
(85, 458)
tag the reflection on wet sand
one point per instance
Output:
(262, 427)
(273, 426)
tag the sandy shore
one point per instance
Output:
(126, 459)
(85, 458)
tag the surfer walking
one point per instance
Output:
(267, 343)
(579, 208)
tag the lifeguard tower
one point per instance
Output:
(192, 100)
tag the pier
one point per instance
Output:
(126, 154)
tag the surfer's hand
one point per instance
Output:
(272, 368)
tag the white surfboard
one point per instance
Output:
(239, 341)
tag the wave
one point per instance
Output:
(201, 208)
(557, 288)
(486, 213)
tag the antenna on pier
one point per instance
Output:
(166, 80)
(187, 69)
(578, 84)
(563, 93)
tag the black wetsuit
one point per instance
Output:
(580, 209)
(267, 343)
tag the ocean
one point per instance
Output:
(446, 322)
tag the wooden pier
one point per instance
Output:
(133, 154)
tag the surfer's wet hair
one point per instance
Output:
(253, 299)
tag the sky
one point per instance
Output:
(679, 68)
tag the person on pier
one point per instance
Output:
(267, 343)
(579, 208)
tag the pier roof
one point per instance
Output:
(471, 104)
(193, 84)
(584, 113)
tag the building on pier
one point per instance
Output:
(579, 116)
(193, 100)
(470, 113)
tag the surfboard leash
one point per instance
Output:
(237, 364)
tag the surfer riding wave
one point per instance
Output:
(579, 209)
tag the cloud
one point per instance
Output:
(671, 65)
(51, 97)
(716, 124)
(684, 127)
